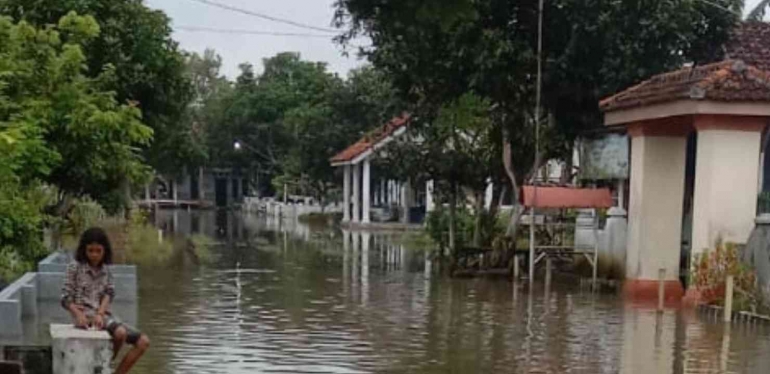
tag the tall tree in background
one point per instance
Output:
(211, 90)
(292, 118)
(147, 65)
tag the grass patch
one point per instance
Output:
(320, 220)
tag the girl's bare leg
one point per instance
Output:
(117, 341)
(133, 355)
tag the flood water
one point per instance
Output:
(282, 298)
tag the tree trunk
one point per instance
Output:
(478, 219)
(508, 163)
(128, 201)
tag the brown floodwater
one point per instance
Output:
(283, 298)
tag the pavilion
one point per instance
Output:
(357, 163)
(696, 144)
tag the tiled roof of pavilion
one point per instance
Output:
(750, 42)
(742, 77)
(730, 80)
(371, 139)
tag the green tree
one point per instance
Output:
(58, 127)
(437, 51)
(148, 68)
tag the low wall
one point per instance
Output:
(37, 295)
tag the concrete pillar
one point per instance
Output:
(357, 193)
(584, 229)
(367, 192)
(346, 195)
(430, 205)
(174, 189)
(488, 194)
(405, 202)
(147, 193)
(726, 180)
(78, 351)
(616, 235)
(655, 214)
(383, 195)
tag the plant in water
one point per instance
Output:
(710, 271)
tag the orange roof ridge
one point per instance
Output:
(371, 139)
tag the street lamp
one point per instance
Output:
(237, 145)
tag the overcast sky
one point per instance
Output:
(237, 48)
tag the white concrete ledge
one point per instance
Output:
(78, 351)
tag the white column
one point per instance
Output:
(655, 211)
(356, 193)
(147, 193)
(405, 202)
(346, 194)
(173, 189)
(383, 195)
(488, 194)
(726, 180)
(429, 203)
(367, 193)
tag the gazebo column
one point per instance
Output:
(726, 179)
(367, 193)
(346, 195)
(655, 211)
(383, 195)
(356, 193)
(429, 203)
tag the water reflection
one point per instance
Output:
(284, 298)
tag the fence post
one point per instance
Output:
(661, 288)
(548, 272)
(728, 311)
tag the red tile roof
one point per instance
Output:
(371, 139)
(730, 80)
(564, 197)
(750, 42)
(740, 77)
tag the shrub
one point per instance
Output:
(710, 271)
(21, 223)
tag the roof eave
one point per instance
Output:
(685, 107)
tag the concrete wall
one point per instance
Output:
(726, 187)
(35, 296)
(655, 206)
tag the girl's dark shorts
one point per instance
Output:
(112, 323)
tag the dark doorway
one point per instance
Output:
(221, 192)
(235, 189)
(195, 193)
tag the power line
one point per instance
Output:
(264, 16)
(248, 32)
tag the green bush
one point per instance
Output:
(437, 227)
(21, 223)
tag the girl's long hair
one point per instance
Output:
(91, 236)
